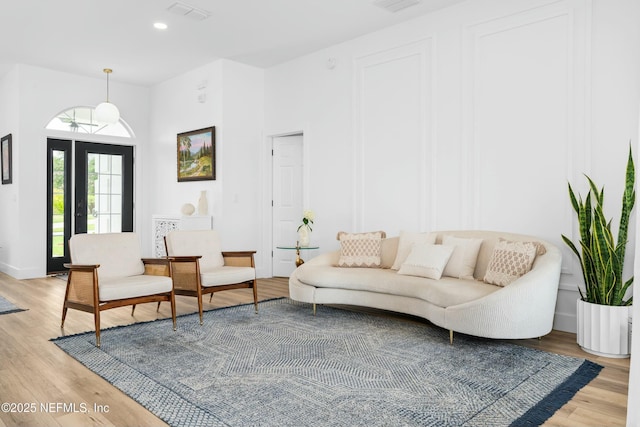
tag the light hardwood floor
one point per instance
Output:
(33, 370)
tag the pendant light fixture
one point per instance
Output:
(106, 112)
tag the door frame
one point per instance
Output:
(265, 264)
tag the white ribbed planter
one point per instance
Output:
(603, 330)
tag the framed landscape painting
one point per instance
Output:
(197, 155)
(6, 159)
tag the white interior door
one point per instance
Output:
(287, 201)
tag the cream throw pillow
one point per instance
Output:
(462, 263)
(510, 260)
(405, 243)
(426, 260)
(360, 249)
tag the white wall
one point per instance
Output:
(471, 117)
(633, 397)
(35, 96)
(234, 105)
(9, 124)
(174, 108)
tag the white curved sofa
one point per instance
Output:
(523, 309)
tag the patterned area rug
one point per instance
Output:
(286, 367)
(7, 307)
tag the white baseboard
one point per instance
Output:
(565, 322)
(21, 274)
(262, 273)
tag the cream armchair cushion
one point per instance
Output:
(205, 243)
(117, 253)
(229, 274)
(133, 286)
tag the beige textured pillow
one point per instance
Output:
(360, 249)
(405, 243)
(426, 260)
(509, 261)
(462, 263)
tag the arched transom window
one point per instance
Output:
(82, 120)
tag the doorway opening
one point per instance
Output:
(287, 200)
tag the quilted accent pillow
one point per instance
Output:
(510, 260)
(405, 243)
(462, 263)
(426, 260)
(360, 249)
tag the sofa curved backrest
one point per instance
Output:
(491, 238)
(489, 241)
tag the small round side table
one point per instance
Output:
(298, 248)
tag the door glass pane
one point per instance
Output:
(57, 204)
(104, 193)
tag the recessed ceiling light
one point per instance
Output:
(160, 26)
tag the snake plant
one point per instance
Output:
(602, 258)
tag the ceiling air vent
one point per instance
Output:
(395, 5)
(187, 11)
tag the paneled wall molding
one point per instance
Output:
(558, 33)
(373, 74)
(506, 94)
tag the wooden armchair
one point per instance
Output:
(199, 266)
(107, 271)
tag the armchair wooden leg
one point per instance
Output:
(314, 308)
(255, 295)
(96, 316)
(158, 309)
(210, 297)
(133, 308)
(173, 310)
(450, 336)
(200, 309)
(64, 316)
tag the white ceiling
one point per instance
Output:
(85, 36)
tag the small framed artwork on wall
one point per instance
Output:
(197, 155)
(7, 172)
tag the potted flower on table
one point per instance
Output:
(304, 230)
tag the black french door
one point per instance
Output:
(103, 188)
(58, 203)
(100, 181)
